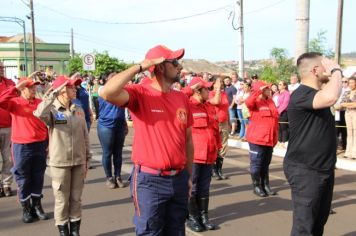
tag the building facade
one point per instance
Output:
(52, 57)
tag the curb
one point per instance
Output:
(341, 162)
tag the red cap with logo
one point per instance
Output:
(62, 79)
(166, 53)
(203, 83)
(30, 82)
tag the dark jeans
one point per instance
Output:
(283, 132)
(312, 193)
(112, 142)
(341, 130)
(161, 203)
(29, 168)
(201, 178)
(260, 159)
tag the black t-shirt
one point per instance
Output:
(230, 91)
(312, 140)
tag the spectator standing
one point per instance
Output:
(238, 98)
(29, 143)
(309, 164)
(275, 93)
(262, 136)
(112, 129)
(245, 112)
(231, 91)
(162, 150)
(349, 102)
(68, 152)
(222, 110)
(5, 141)
(282, 106)
(294, 83)
(95, 96)
(340, 116)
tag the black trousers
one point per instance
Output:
(312, 193)
(341, 130)
(283, 132)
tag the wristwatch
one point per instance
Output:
(336, 69)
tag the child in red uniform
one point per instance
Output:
(206, 140)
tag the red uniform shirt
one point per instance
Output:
(160, 121)
(5, 117)
(223, 108)
(263, 126)
(26, 128)
(205, 132)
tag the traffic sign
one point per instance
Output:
(89, 62)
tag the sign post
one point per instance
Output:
(89, 62)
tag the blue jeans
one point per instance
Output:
(112, 142)
(243, 123)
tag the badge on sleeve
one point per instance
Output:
(60, 118)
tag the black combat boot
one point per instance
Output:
(26, 214)
(74, 228)
(193, 221)
(219, 164)
(257, 188)
(265, 184)
(203, 207)
(37, 209)
(63, 230)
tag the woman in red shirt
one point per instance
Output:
(206, 141)
(262, 136)
(221, 104)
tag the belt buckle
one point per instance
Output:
(172, 172)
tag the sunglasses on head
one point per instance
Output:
(174, 62)
(345, 81)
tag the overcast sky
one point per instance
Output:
(268, 24)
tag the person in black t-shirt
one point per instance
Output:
(311, 155)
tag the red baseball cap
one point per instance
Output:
(62, 79)
(203, 83)
(166, 53)
(30, 82)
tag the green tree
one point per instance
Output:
(280, 68)
(104, 64)
(318, 44)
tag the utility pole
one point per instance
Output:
(302, 21)
(239, 6)
(71, 43)
(34, 63)
(339, 31)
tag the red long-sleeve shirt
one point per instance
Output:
(5, 117)
(26, 128)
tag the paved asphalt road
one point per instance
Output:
(233, 206)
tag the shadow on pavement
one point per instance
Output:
(118, 232)
(107, 203)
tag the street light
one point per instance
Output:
(21, 23)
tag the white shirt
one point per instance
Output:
(293, 87)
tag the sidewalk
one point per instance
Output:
(341, 163)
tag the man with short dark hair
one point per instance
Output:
(162, 150)
(311, 155)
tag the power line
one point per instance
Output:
(138, 22)
(265, 7)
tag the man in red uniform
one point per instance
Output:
(162, 149)
(29, 139)
(5, 140)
